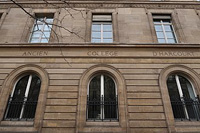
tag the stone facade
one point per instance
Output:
(137, 62)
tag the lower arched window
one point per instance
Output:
(102, 103)
(22, 102)
(184, 100)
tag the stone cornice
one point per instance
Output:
(106, 4)
(92, 45)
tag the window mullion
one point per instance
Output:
(101, 32)
(102, 97)
(164, 31)
(181, 95)
(26, 95)
(179, 86)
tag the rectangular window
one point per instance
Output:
(102, 29)
(164, 29)
(42, 28)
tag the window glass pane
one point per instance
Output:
(176, 103)
(96, 40)
(44, 40)
(36, 34)
(31, 104)
(94, 98)
(49, 20)
(158, 28)
(96, 34)
(188, 95)
(168, 28)
(169, 35)
(96, 27)
(16, 102)
(109, 98)
(186, 88)
(171, 41)
(160, 34)
(107, 40)
(107, 35)
(107, 27)
(161, 40)
(46, 35)
(34, 40)
(38, 27)
(47, 27)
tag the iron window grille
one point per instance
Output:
(184, 101)
(102, 99)
(22, 102)
(164, 29)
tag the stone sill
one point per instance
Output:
(186, 123)
(17, 123)
(102, 124)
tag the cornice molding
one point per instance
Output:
(105, 4)
(91, 45)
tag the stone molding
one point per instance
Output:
(82, 124)
(186, 72)
(7, 88)
(106, 4)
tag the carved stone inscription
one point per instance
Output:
(173, 53)
(35, 53)
(102, 53)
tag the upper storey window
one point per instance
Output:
(184, 101)
(42, 28)
(102, 29)
(164, 29)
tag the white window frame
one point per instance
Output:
(162, 24)
(102, 93)
(102, 21)
(38, 22)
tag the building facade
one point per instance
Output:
(82, 66)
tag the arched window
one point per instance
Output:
(22, 102)
(102, 103)
(184, 100)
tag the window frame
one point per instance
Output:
(162, 17)
(104, 126)
(102, 94)
(181, 96)
(7, 87)
(28, 85)
(102, 23)
(43, 16)
(193, 77)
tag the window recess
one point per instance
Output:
(164, 28)
(102, 31)
(184, 100)
(22, 102)
(102, 100)
(41, 31)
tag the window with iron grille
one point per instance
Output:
(42, 28)
(102, 101)
(184, 100)
(22, 102)
(164, 29)
(102, 29)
